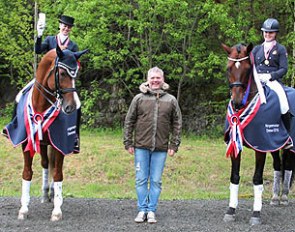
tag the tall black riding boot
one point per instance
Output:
(287, 122)
(77, 141)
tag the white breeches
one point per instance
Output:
(278, 88)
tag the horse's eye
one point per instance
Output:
(63, 74)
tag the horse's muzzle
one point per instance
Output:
(69, 108)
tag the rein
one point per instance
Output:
(39, 87)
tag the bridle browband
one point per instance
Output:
(58, 92)
(238, 60)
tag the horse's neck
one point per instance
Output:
(40, 104)
(253, 89)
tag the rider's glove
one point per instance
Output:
(40, 28)
(265, 77)
(272, 78)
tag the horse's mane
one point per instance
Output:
(46, 63)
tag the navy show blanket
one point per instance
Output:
(266, 131)
(61, 132)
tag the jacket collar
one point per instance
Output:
(144, 88)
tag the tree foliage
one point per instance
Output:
(127, 37)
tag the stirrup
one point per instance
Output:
(289, 145)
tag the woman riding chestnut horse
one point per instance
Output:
(46, 116)
(254, 120)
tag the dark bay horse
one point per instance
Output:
(50, 95)
(242, 110)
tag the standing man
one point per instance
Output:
(62, 39)
(152, 129)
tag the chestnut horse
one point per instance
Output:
(243, 90)
(50, 95)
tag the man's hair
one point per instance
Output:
(155, 70)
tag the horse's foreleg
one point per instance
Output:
(258, 188)
(45, 173)
(277, 176)
(234, 189)
(51, 162)
(58, 178)
(26, 184)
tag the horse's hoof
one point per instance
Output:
(284, 200)
(56, 217)
(22, 215)
(45, 199)
(230, 215)
(275, 201)
(255, 219)
(229, 218)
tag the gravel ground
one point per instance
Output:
(86, 215)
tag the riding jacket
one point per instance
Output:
(50, 42)
(153, 121)
(276, 64)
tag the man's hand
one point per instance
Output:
(131, 150)
(171, 152)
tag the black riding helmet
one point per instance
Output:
(270, 25)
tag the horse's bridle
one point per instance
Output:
(237, 64)
(58, 92)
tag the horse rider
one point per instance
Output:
(62, 39)
(271, 63)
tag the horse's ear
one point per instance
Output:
(78, 54)
(59, 52)
(249, 48)
(226, 48)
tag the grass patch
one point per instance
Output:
(104, 169)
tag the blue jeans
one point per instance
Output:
(149, 166)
